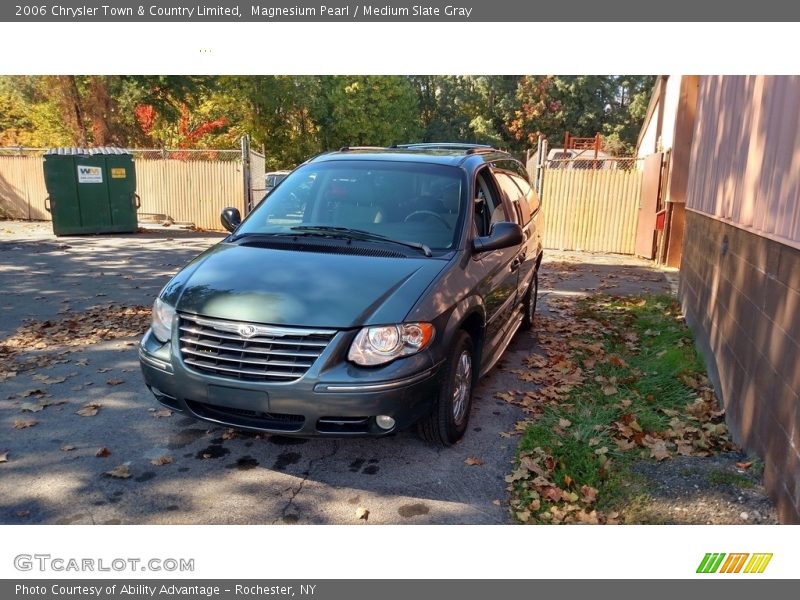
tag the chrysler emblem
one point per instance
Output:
(247, 331)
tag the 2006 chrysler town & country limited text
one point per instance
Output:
(366, 293)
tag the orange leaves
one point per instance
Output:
(473, 461)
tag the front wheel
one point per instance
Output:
(448, 419)
(529, 305)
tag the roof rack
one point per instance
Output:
(469, 148)
(348, 148)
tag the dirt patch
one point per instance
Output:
(700, 491)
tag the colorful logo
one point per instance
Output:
(719, 562)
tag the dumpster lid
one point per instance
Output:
(85, 151)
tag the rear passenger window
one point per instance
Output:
(531, 199)
(514, 195)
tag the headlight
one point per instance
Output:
(380, 345)
(163, 316)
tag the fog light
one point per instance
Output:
(384, 421)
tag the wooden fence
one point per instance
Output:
(190, 191)
(594, 210)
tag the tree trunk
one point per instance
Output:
(100, 109)
(68, 97)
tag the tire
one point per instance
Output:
(449, 417)
(530, 302)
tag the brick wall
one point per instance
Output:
(741, 296)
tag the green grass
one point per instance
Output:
(653, 356)
(723, 477)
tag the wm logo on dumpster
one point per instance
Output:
(719, 562)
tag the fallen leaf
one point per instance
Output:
(744, 465)
(35, 392)
(617, 361)
(4, 456)
(102, 452)
(496, 502)
(24, 423)
(115, 381)
(524, 515)
(164, 412)
(473, 461)
(31, 407)
(103, 370)
(588, 494)
(161, 461)
(88, 410)
(564, 423)
(609, 390)
(532, 466)
(120, 472)
(625, 444)
(659, 450)
(68, 447)
(362, 513)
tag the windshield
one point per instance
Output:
(410, 202)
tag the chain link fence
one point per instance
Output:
(590, 163)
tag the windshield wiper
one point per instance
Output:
(359, 234)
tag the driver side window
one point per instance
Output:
(488, 208)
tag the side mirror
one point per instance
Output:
(231, 218)
(502, 235)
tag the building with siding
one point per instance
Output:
(667, 131)
(740, 269)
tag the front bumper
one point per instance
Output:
(333, 398)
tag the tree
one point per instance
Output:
(295, 117)
(367, 110)
(583, 106)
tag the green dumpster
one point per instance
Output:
(91, 190)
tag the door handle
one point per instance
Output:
(515, 264)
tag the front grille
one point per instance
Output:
(272, 353)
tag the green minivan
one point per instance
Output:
(366, 293)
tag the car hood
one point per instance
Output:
(285, 287)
